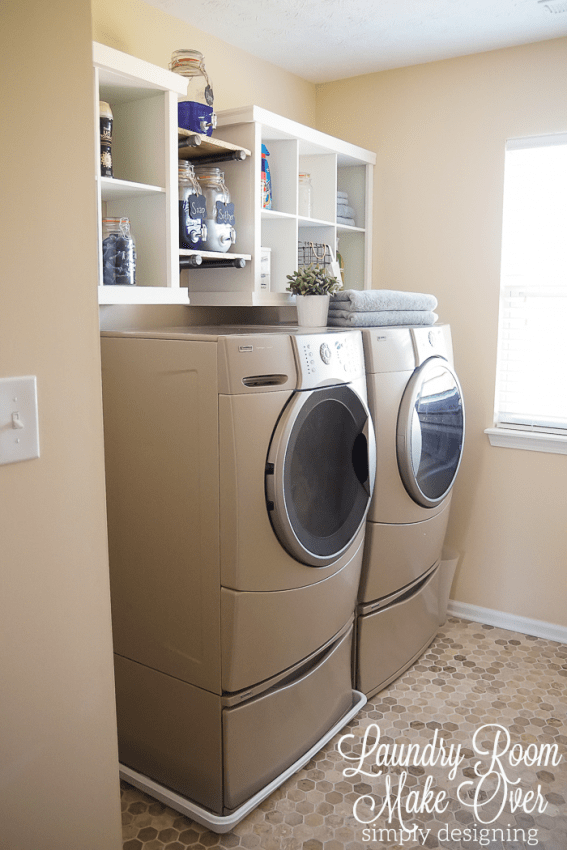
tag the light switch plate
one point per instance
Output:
(19, 432)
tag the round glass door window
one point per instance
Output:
(320, 473)
(431, 432)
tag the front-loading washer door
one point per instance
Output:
(320, 473)
(430, 432)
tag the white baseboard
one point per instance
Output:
(512, 622)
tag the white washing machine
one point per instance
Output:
(240, 465)
(417, 408)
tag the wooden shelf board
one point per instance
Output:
(209, 146)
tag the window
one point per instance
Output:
(531, 376)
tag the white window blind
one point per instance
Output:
(531, 380)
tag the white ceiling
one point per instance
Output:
(324, 40)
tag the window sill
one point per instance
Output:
(527, 440)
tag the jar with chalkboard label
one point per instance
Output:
(221, 231)
(118, 253)
(192, 208)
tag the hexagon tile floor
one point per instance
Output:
(466, 750)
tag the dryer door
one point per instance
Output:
(320, 473)
(430, 432)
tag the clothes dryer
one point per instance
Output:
(240, 466)
(417, 407)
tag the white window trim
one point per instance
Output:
(528, 440)
(522, 437)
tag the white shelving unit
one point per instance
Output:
(143, 99)
(145, 150)
(145, 153)
(332, 164)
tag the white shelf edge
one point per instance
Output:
(345, 151)
(314, 222)
(348, 228)
(527, 440)
(142, 295)
(241, 299)
(113, 187)
(127, 67)
(275, 214)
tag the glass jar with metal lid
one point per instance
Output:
(305, 205)
(221, 233)
(118, 253)
(192, 208)
(196, 110)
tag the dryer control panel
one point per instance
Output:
(328, 359)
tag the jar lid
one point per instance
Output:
(186, 61)
(122, 223)
(104, 109)
(209, 171)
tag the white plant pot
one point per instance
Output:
(312, 310)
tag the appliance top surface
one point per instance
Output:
(214, 332)
(249, 355)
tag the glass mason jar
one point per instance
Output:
(221, 233)
(305, 205)
(196, 110)
(118, 253)
(192, 208)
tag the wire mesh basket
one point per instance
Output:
(314, 253)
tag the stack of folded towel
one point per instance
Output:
(345, 214)
(380, 307)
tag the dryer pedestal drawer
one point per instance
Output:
(265, 735)
(392, 638)
(397, 555)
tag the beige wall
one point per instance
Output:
(58, 758)
(238, 78)
(439, 131)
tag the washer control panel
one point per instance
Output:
(432, 341)
(327, 359)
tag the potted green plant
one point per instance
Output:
(314, 286)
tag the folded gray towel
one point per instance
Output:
(381, 318)
(345, 211)
(357, 300)
(342, 195)
(341, 219)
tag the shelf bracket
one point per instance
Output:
(196, 261)
(228, 156)
(189, 142)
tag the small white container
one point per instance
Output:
(265, 268)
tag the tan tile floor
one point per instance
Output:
(473, 684)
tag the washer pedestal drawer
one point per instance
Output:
(263, 736)
(219, 751)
